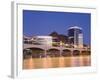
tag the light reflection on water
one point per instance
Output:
(54, 62)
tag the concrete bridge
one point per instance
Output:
(56, 51)
(44, 47)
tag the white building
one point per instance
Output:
(43, 40)
(80, 39)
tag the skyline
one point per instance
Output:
(44, 22)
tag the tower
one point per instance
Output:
(75, 36)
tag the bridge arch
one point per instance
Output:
(66, 52)
(33, 46)
(84, 52)
(53, 52)
(37, 52)
(76, 53)
(27, 53)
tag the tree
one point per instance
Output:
(59, 37)
(54, 34)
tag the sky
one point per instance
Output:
(45, 22)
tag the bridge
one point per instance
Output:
(45, 47)
(58, 50)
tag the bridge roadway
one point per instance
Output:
(45, 48)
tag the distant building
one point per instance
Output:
(43, 40)
(73, 39)
(38, 40)
(27, 39)
(75, 36)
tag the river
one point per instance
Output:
(54, 62)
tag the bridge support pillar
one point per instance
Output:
(60, 53)
(45, 52)
(72, 52)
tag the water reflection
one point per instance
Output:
(54, 62)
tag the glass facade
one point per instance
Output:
(75, 36)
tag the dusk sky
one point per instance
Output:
(45, 22)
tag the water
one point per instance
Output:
(54, 62)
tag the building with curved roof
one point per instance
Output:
(75, 36)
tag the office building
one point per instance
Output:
(75, 36)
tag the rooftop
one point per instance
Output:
(75, 27)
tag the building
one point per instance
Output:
(39, 40)
(27, 39)
(73, 39)
(43, 40)
(75, 36)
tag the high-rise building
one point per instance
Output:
(75, 36)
